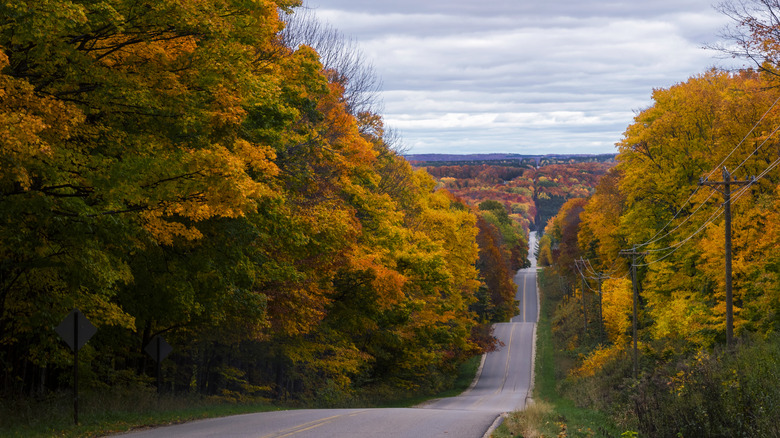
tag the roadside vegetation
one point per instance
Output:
(657, 322)
(692, 376)
(216, 175)
(121, 410)
(552, 413)
(114, 411)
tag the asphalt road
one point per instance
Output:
(320, 423)
(504, 385)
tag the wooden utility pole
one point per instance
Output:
(727, 183)
(601, 309)
(633, 254)
(584, 307)
(581, 265)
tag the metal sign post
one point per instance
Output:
(76, 330)
(159, 350)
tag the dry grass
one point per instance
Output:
(529, 422)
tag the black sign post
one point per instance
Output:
(159, 350)
(76, 330)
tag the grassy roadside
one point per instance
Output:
(116, 411)
(113, 411)
(552, 415)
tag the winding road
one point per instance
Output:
(504, 385)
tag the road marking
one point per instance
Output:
(525, 281)
(508, 357)
(526, 359)
(309, 426)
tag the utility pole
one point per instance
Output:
(601, 310)
(633, 254)
(727, 183)
(584, 307)
(582, 265)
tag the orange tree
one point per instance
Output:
(171, 168)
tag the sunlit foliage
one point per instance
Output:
(172, 168)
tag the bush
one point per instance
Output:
(720, 394)
(724, 393)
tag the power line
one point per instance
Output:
(723, 162)
(715, 215)
(745, 188)
(582, 274)
(655, 238)
(756, 149)
(690, 216)
(596, 275)
(724, 208)
(609, 273)
(727, 183)
(679, 245)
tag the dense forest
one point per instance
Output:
(192, 170)
(532, 194)
(212, 173)
(663, 211)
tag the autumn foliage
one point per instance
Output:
(531, 194)
(171, 168)
(653, 203)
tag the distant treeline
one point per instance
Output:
(509, 160)
(532, 195)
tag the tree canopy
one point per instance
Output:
(173, 168)
(655, 203)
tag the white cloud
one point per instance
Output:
(516, 76)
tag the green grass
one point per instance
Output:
(102, 413)
(555, 416)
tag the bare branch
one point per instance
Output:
(341, 57)
(754, 34)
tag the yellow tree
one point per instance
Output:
(712, 119)
(601, 236)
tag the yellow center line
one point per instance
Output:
(309, 426)
(525, 281)
(508, 357)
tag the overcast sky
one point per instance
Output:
(522, 76)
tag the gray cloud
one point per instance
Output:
(516, 76)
